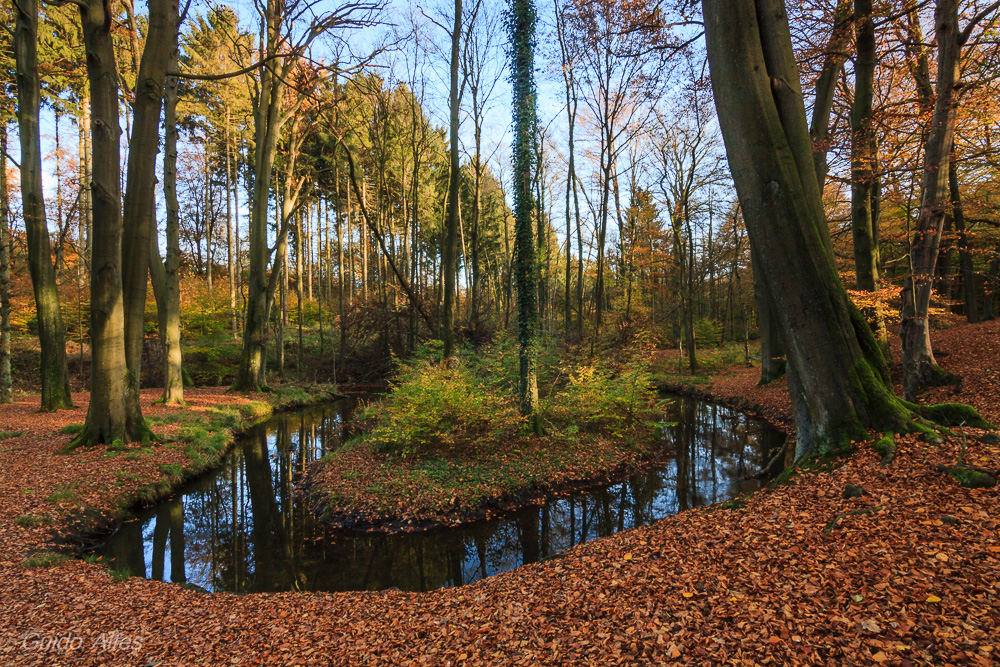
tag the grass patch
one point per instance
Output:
(71, 429)
(4, 435)
(171, 469)
(32, 521)
(64, 494)
(45, 559)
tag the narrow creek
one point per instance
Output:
(243, 529)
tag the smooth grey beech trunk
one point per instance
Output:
(268, 121)
(166, 274)
(837, 376)
(106, 414)
(51, 334)
(920, 369)
(140, 185)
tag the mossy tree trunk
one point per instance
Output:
(863, 151)
(51, 334)
(521, 26)
(268, 121)
(838, 377)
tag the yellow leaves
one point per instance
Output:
(941, 556)
(627, 557)
(932, 598)
(687, 594)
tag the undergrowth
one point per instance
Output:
(472, 399)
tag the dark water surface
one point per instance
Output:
(242, 528)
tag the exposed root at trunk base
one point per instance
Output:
(970, 477)
(886, 447)
(92, 437)
(950, 414)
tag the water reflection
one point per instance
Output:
(243, 529)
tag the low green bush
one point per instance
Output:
(431, 402)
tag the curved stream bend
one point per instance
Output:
(242, 528)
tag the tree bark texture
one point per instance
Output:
(839, 380)
(106, 415)
(140, 186)
(51, 334)
(920, 369)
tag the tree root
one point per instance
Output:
(858, 512)
(971, 477)
(777, 459)
(950, 414)
(886, 447)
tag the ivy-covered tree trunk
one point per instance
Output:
(106, 415)
(51, 334)
(140, 204)
(521, 26)
(6, 382)
(838, 377)
(450, 250)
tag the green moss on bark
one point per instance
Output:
(886, 448)
(970, 478)
(950, 414)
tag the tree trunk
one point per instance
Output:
(166, 275)
(6, 383)
(838, 378)
(230, 236)
(992, 285)
(920, 369)
(521, 24)
(449, 251)
(140, 185)
(106, 414)
(51, 334)
(964, 254)
(772, 352)
(833, 60)
(268, 120)
(863, 150)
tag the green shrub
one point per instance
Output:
(707, 333)
(605, 397)
(430, 402)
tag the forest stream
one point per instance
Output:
(244, 529)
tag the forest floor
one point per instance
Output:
(912, 577)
